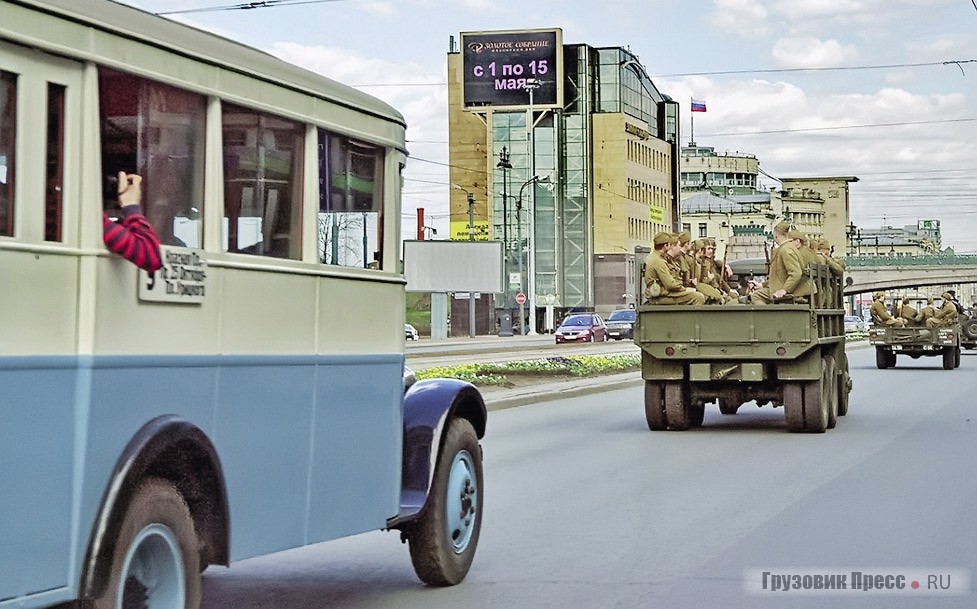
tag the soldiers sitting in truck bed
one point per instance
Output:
(786, 281)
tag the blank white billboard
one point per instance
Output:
(453, 266)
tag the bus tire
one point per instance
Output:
(155, 561)
(654, 406)
(442, 543)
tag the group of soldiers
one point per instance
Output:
(906, 316)
(682, 271)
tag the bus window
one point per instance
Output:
(350, 223)
(54, 166)
(8, 122)
(157, 131)
(262, 183)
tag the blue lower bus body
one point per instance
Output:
(310, 449)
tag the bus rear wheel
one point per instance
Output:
(443, 541)
(155, 561)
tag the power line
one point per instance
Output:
(890, 66)
(245, 6)
(840, 127)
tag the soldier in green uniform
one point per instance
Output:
(925, 313)
(880, 316)
(786, 280)
(824, 250)
(946, 315)
(701, 280)
(906, 312)
(713, 273)
(662, 286)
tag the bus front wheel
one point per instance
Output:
(155, 561)
(442, 543)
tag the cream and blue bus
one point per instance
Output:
(251, 395)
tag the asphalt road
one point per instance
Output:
(585, 508)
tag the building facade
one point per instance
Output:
(571, 154)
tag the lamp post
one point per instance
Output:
(471, 237)
(531, 85)
(522, 305)
(505, 323)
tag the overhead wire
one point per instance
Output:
(243, 6)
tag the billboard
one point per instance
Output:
(497, 65)
(453, 266)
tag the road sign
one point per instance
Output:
(520, 298)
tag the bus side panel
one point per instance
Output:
(355, 482)
(264, 420)
(37, 446)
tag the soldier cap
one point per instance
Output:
(684, 237)
(878, 295)
(699, 244)
(946, 296)
(796, 234)
(824, 244)
(783, 227)
(662, 238)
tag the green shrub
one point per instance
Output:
(574, 365)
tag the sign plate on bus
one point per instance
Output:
(183, 278)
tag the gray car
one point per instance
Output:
(620, 324)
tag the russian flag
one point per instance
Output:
(698, 105)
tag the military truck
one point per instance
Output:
(890, 341)
(790, 355)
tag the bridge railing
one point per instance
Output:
(934, 260)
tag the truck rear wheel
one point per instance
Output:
(677, 407)
(844, 385)
(697, 413)
(794, 406)
(949, 359)
(956, 357)
(882, 359)
(829, 390)
(655, 406)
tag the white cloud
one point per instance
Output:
(747, 17)
(810, 52)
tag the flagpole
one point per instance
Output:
(692, 124)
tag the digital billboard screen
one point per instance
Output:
(498, 64)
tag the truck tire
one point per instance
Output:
(815, 404)
(655, 406)
(794, 406)
(677, 407)
(697, 413)
(442, 543)
(829, 390)
(969, 328)
(155, 560)
(949, 359)
(956, 357)
(844, 384)
(881, 358)
(728, 407)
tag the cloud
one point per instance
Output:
(739, 16)
(810, 52)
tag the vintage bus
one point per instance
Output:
(251, 395)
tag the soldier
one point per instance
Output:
(702, 282)
(713, 272)
(801, 244)
(686, 261)
(786, 279)
(946, 315)
(662, 286)
(906, 312)
(824, 250)
(925, 313)
(880, 316)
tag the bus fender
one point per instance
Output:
(428, 406)
(174, 449)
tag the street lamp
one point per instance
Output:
(531, 245)
(531, 85)
(471, 237)
(505, 322)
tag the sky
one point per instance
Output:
(884, 90)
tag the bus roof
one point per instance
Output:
(207, 47)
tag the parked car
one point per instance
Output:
(620, 324)
(582, 327)
(410, 332)
(854, 323)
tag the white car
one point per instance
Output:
(410, 332)
(854, 323)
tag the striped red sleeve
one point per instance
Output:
(134, 238)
